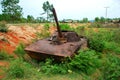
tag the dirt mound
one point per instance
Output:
(19, 34)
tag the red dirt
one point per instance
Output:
(16, 34)
(4, 63)
(1, 76)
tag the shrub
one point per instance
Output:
(97, 40)
(3, 27)
(54, 68)
(46, 26)
(112, 46)
(20, 50)
(16, 70)
(3, 55)
(116, 36)
(86, 61)
(65, 27)
(96, 44)
(111, 69)
(80, 30)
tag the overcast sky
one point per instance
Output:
(73, 9)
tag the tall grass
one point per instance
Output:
(4, 55)
(19, 51)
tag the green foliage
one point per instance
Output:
(3, 27)
(111, 69)
(116, 36)
(16, 70)
(96, 25)
(40, 19)
(50, 67)
(100, 20)
(85, 20)
(20, 50)
(97, 40)
(46, 26)
(65, 27)
(80, 30)
(96, 43)
(30, 18)
(47, 7)
(86, 61)
(112, 47)
(11, 9)
(3, 55)
(97, 19)
(21, 70)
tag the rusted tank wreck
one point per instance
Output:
(60, 45)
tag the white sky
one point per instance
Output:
(73, 9)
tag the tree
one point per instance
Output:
(102, 20)
(30, 18)
(47, 7)
(97, 19)
(85, 20)
(11, 9)
(40, 20)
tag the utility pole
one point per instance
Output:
(106, 8)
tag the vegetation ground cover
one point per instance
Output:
(100, 61)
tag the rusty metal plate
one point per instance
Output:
(44, 47)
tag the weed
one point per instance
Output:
(112, 46)
(86, 61)
(16, 70)
(3, 55)
(43, 34)
(50, 67)
(96, 44)
(97, 40)
(20, 50)
(80, 30)
(116, 36)
(46, 26)
(65, 27)
(111, 69)
(21, 70)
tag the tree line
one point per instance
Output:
(12, 12)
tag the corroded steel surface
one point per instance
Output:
(44, 47)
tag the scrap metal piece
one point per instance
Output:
(42, 49)
(56, 20)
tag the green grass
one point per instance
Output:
(4, 55)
